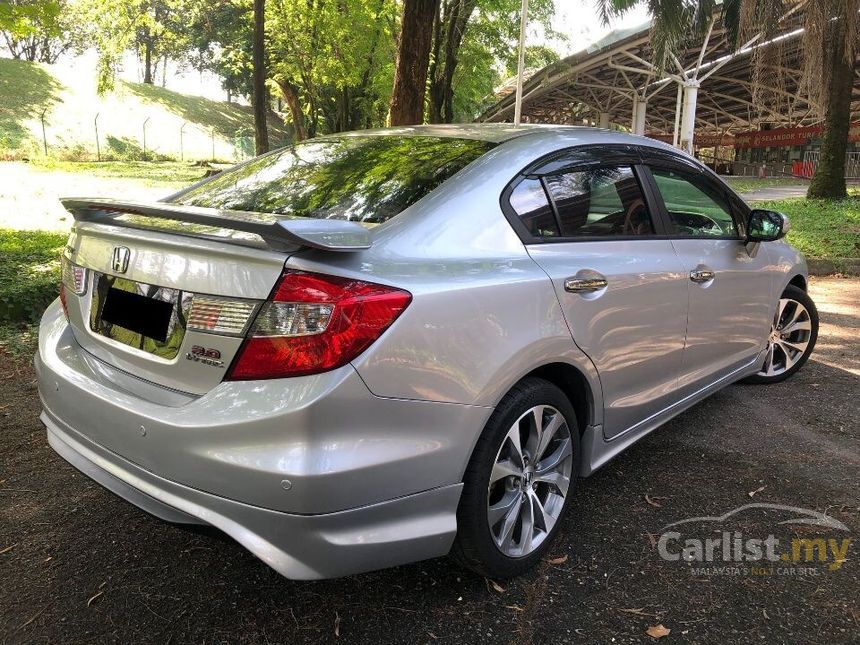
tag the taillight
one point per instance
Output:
(74, 276)
(314, 323)
(73, 279)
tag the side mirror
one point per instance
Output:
(766, 226)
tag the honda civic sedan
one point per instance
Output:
(374, 348)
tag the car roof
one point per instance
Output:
(500, 132)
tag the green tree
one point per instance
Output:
(330, 61)
(38, 30)
(156, 29)
(488, 26)
(831, 43)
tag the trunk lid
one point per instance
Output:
(171, 290)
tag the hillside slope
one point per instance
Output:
(178, 126)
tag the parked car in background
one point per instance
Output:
(373, 348)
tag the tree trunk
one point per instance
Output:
(456, 32)
(413, 58)
(829, 179)
(258, 95)
(291, 96)
(147, 59)
(436, 98)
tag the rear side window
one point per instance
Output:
(696, 208)
(360, 178)
(599, 202)
(530, 202)
(593, 202)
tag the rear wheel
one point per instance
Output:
(519, 481)
(792, 337)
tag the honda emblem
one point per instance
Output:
(119, 263)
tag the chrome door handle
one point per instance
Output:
(701, 275)
(584, 285)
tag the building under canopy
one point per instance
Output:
(704, 99)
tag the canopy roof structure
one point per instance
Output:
(710, 87)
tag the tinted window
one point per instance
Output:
(361, 178)
(599, 202)
(696, 207)
(530, 202)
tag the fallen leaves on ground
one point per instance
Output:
(658, 631)
(497, 586)
(753, 493)
(559, 560)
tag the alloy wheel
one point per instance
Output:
(529, 481)
(789, 337)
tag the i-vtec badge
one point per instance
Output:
(119, 260)
(205, 355)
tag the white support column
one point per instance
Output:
(635, 113)
(641, 107)
(604, 120)
(688, 119)
(678, 106)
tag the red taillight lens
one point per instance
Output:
(314, 323)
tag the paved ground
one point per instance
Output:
(78, 565)
(775, 192)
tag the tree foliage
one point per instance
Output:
(38, 30)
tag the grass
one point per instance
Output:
(822, 229)
(29, 281)
(177, 126)
(172, 174)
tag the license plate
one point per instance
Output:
(147, 317)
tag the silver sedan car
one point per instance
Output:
(373, 348)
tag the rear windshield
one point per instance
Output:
(366, 179)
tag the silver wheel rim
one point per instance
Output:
(789, 337)
(530, 481)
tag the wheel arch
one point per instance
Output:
(576, 387)
(798, 281)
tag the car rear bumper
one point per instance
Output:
(315, 475)
(301, 547)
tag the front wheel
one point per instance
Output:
(519, 481)
(792, 337)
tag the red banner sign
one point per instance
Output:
(783, 137)
(779, 138)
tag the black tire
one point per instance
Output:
(798, 295)
(474, 547)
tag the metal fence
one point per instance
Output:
(111, 136)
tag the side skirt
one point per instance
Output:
(597, 451)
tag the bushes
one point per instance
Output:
(29, 273)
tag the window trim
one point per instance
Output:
(618, 155)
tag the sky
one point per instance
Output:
(578, 20)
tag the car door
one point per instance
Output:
(586, 221)
(729, 281)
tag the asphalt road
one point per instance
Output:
(78, 565)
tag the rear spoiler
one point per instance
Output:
(278, 231)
